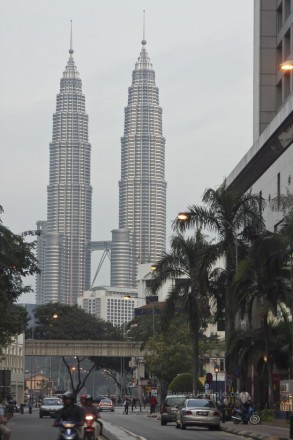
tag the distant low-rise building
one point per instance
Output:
(12, 370)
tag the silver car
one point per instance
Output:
(198, 412)
(49, 406)
(170, 407)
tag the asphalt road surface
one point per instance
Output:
(150, 428)
(31, 427)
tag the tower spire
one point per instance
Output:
(143, 32)
(71, 51)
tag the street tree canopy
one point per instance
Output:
(16, 262)
(62, 321)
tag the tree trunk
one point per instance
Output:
(229, 315)
(195, 362)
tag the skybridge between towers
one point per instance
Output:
(87, 348)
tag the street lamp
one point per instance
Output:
(287, 65)
(216, 370)
(184, 216)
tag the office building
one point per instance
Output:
(63, 244)
(112, 304)
(267, 168)
(142, 187)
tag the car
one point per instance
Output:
(49, 406)
(199, 412)
(170, 408)
(106, 405)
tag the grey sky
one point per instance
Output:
(202, 54)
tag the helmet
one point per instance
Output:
(68, 395)
(89, 397)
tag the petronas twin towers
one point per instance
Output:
(64, 243)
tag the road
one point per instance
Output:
(30, 426)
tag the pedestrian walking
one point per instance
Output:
(30, 406)
(145, 401)
(153, 403)
(126, 406)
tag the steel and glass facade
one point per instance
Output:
(64, 254)
(142, 187)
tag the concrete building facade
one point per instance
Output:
(112, 304)
(13, 362)
(267, 168)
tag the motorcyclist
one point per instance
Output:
(6, 432)
(89, 408)
(70, 411)
(245, 401)
(83, 399)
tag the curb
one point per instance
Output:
(251, 434)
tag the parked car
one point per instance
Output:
(106, 405)
(49, 406)
(170, 408)
(199, 412)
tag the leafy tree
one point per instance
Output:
(229, 215)
(165, 352)
(61, 321)
(144, 326)
(16, 262)
(182, 383)
(189, 293)
(71, 322)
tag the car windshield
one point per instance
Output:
(202, 403)
(175, 401)
(106, 401)
(52, 402)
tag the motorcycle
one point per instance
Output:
(68, 430)
(92, 427)
(249, 415)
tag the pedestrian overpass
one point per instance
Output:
(87, 348)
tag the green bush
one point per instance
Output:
(267, 415)
(183, 384)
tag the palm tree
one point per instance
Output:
(247, 348)
(189, 292)
(231, 216)
(261, 284)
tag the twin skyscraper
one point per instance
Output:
(64, 241)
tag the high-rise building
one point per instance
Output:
(63, 246)
(142, 187)
(267, 167)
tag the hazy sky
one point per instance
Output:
(202, 54)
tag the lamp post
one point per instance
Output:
(216, 370)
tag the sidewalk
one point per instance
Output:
(264, 431)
